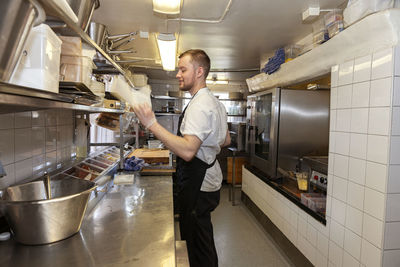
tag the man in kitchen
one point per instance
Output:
(202, 131)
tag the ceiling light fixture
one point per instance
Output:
(167, 48)
(171, 7)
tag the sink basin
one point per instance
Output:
(34, 219)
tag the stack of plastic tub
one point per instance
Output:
(320, 32)
(74, 67)
(98, 88)
(41, 56)
(334, 22)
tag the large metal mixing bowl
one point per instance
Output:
(34, 219)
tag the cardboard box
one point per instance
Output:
(107, 103)
(239, 161)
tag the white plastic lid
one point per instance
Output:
(5, 236)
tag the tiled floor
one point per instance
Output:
(240, 239)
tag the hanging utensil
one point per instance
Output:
(118, 37)
(46, 181)
(113, 39)
(114, 46)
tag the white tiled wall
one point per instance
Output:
(391, 244)
(33, 142)
(372, 91)
(363, 194)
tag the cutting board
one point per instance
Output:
(151, 155)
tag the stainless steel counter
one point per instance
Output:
(132, 225)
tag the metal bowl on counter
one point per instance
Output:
(41, 214)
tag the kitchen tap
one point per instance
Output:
(2, 171)
(299, 165)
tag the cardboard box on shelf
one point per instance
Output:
(111, 104)
(239, 161)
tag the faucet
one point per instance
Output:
(2, 171)
(299, 165)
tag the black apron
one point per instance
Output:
(195, 228)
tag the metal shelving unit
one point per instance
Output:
(79, 32)
(14, 98)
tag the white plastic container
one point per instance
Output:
(76, 69)
(333, 16)
(139, 80)
(320, 32)
(40, 60)
(88, 51)
(71, 46)
(98, 88)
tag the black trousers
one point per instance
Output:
(196, 228)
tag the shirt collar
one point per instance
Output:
(201, 91)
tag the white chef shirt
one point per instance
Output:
(205, 117)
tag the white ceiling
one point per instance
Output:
(249, 33)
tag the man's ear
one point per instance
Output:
(200, 71)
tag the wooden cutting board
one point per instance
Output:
(151, 155)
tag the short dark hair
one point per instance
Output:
(200, 57)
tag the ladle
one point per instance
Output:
(46, 181)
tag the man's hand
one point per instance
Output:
(145, 115)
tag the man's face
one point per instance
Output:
(186, 73)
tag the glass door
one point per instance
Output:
(263, 130)
(263, 111)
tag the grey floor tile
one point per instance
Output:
(240, 239)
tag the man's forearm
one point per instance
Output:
(184, 147)
(227, 141)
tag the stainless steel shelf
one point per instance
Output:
(74, 27)
(14, 98)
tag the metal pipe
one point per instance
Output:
(234, 70)
(129, 61)
(121, 52)
(228, 6)
(139, 58)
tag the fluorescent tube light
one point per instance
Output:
(171, 7)
(167, 47)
